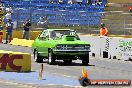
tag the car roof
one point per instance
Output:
(59, 29)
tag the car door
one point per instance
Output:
(43, 43)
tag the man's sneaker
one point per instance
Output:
(6, 42)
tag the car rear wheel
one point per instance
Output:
(85, 60)
(67, 61)
(37, 57)
(51, 59)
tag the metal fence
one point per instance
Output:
(118, 21)
(19, 16)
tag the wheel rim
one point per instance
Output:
(49, 58)
(35, 56)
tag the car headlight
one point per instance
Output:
(87, 46)
(58, 46)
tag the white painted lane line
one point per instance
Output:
(59, 74)
(16, 84)
(66, 86)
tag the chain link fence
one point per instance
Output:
(19, 15)
(118, 21)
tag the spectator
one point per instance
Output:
(70, 2)
(8, 16)
(103, 30)
(89, 2)
(79, 2)
(9, 28)
(40, 22)
(100, 2)
(43, 22)
(1, 33)
(45, 25)
(9, 10)
(51, 1)
(2, 7)
(97, 2)
(61, 1)
(26, 26)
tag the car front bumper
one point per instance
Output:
(71, 52)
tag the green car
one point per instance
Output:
(60, 44)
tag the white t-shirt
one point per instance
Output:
(9, 10)
(8, 16)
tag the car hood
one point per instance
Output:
(68, 40)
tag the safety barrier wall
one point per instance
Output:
(15, 61)
(111, 47)
(21, 42)
(19, 34)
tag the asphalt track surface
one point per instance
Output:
(65, 76)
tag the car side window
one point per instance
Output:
(72, 33)
(43, 35)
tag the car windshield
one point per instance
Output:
(60, 33)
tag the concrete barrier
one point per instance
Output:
(111, 47)
(15, 61)
(122, 48)
(19, 34)
(21, 42)
(34, 34)
(15, 34)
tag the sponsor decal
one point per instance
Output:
(7, 60)
(125, 43)
(125, 48)
(85, 81)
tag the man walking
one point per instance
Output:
(26, 26)
(9, 28)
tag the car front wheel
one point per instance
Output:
(51, 59)
(85, 60)
(37, 57)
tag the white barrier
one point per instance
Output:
(95, 45)
(124, 48)
(111, 47)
